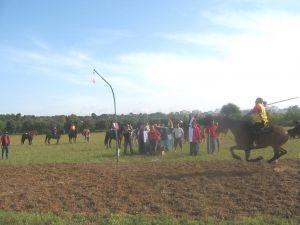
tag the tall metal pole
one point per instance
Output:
(117, 141)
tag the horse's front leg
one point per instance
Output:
(247, 156)
(109, 143)
(235, 156)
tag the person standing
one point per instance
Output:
(127, 139)
(212, 137)
(154, 137)
(178, 134)
(5, 141)
(196, 138)
(141, 140)
(190, 131)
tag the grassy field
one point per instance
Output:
(40, 153)
(94, 152)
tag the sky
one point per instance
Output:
(158, 55)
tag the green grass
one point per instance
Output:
(11, 218)
(39, 154)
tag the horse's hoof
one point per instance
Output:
(260, 158)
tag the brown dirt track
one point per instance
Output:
(195, 189)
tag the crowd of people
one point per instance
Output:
(155, 138)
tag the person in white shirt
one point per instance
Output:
(178, 134)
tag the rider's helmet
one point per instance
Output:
(259, 100)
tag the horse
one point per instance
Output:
(111, 134)
(50, 135)
(274, 136)
(86, 133)
(72, 136)
(294, 132)
(28, 136)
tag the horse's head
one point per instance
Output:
(223, 125)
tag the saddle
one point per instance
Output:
(258, 133)
(266, 129)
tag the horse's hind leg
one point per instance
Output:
(282, 151)
(276, 151)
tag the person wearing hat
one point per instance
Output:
(260, 118)
(5, 141)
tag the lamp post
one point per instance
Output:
(117, 143)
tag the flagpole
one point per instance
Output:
(117, 141)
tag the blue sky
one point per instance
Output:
(159, 55)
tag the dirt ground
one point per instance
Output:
(195, 189)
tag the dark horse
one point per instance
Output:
(50, 135)
(86, 133)
(241, 130)
(111, 134)
(28, 136)
(72, 136)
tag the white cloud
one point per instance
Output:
(258, 57)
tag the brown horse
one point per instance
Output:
(86, 133)
(50, 135)
(72, 136)
(28, 136)
(242, 131)
(111, 134)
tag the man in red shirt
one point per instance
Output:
(5, 141)
(154, 137)
(194, 148)
(212, 136)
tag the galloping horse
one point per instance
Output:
(28, 136)
(72, 136)
(50, 135)
(86, 133)
(111, 134)
(241, 130)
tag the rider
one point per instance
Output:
(260, 118)
(54, 130)
(72, 127)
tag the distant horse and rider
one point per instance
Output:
(54, 134)
(86, 133)
(248, 136)
(116, 133)
(295, 131)
(28, 136)
(72, 133)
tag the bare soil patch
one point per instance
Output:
(195, 189)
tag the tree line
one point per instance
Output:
(17, 123)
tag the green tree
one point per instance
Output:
(231, 110)
(293, 113)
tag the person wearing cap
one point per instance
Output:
(5, 142)
(260, 118)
